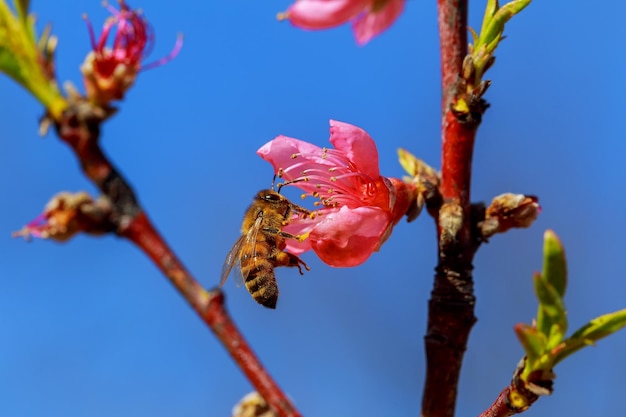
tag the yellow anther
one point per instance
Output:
(302, 236)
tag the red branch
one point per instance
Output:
(520, 394)
(452, 16)
(79, 127)
(451, 307)
(209, 305)
(500, 407)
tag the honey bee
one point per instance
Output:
(261, 246)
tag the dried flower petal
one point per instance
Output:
(67, 214)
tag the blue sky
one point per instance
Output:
(90, 327)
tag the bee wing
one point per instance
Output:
(251, 239)
(233, 258)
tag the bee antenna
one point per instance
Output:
(282, 184)
(274, 181)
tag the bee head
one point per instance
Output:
(270, 196)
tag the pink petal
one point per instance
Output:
(349, 236)
(324, 14)
(368, 25)
(299, 226)
(357, 145)
(280, 150)
(293, 156)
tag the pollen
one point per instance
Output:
(303, 196)
(333, 179)
(294, 155)
(280, 172)
(302, 236)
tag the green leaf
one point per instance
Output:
(533, 341)
(591, 332)
(551, 310)
(408, 161)
(493, 31)
(556, 335)
(10, 65)
(490, 10)
(26, 60)
(554, 264)
(22, 8)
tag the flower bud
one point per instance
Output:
(253, 405)
(507, 211)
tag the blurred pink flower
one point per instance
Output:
(109, 71)
(359, 207)
(369, 17)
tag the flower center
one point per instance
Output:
(334, 177)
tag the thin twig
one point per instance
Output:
(79, 127)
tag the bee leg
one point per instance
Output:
(288, 259)
(301, 262)
(301, 210)
(294, 207)
(276, 231)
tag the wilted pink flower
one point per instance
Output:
(66, 214)
(109, 71)
(359, 207)
(369, 17)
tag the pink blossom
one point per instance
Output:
(368, 17)
(109, 71)
(358, 206)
